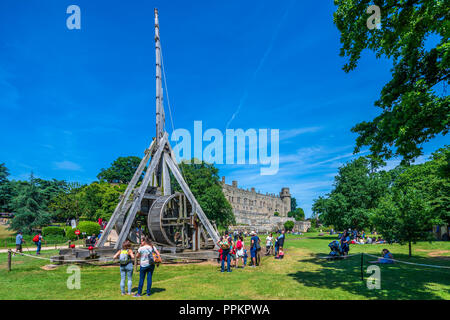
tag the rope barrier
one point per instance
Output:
(347, 256)
(395, 260)
(54, 260)
(410, 263)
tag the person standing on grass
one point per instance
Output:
(126, 257)
(38, 243)
(280, 243)
(255, 243)
(269, 244)
(240, 251)
(19, 242)
(145, 253)
(225, 244)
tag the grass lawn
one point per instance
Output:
(301, 275)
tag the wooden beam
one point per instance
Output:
(140, 193)
(176, 172)
(118, 212)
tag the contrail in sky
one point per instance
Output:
(261, 63)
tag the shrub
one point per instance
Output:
(57, 231)
(89, 227)
(289, 225)
(276, 214)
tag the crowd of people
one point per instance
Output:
(360, 237)
(233, 252)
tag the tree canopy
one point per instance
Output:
(357, 189)
(414, 34)
(203, 180)
(120, 171)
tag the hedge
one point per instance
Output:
(89, 227)
(58, 231)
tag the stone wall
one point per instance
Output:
(254, 211)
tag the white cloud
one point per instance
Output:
(288, 134)
(67, 165)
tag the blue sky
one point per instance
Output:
(72, 101)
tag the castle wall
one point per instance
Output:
(256, 209)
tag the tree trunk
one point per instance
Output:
(409, 243)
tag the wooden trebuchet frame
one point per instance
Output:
(157, 176)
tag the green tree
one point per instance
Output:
(120, 171)
(405, 216)
(412, 111)
(29, 207)
(289, 225)
(203, 180)
(293, 204)
(98, 200)
(5, 189)
(298, 214)
(357, 190)
(66, 203)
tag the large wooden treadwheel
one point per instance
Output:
(169, 220)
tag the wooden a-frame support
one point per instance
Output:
(132, 204)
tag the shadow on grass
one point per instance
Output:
(144, 291)
(398, 281)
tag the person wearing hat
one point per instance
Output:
(254, 244)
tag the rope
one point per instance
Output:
(411, 263)
(165, 86)
(54, 260)
(347, 256)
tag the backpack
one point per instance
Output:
(156, 257)
(36, 238)
(124, 258)
(225, 245)
(239, 245)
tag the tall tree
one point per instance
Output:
(404, 216)
(29, 207)
(120, 171)
(203, 180)
(5, 189)
(293, 204)
(357, 189)
(414, 33)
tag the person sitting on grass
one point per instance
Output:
(93, 240)
(387, 257)
(126, 257)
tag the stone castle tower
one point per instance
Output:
(285, 196)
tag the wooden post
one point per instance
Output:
(9, 260)
(362, 263)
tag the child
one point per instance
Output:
(245, 257)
